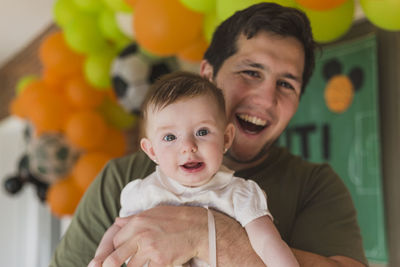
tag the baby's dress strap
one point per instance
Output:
(212, 242)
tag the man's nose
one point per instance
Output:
(267, 93)
(188, 145)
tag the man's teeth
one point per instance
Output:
(254, 120)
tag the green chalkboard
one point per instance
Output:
(337, 122)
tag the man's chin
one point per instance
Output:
(245, 158)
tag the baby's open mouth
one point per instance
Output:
(250, 124)
(192, 165)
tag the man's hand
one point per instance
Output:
(310, 259)
(106, 246)
(165, 235)
(170, 235)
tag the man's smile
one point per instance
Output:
(251, 124)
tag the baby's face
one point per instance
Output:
(187, 139)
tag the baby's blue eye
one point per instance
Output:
(202, 132)
(169, 137)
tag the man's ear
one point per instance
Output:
(229, 136)
(206, 70)
(147, 147)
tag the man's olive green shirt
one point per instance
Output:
(311, 206)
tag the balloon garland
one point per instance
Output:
(72, 98)
(64, 102)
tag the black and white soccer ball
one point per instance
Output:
(133, 72)
(51, 157)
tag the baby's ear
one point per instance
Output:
(229, 135)
(147, 147)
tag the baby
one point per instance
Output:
(186, 135)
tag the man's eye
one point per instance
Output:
(202, 132)
(251, 73)
(285, 84)
(169, 137)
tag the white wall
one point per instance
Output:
(26, 228)
(26, 224)
(20, 22)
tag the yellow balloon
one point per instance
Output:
(116, 116)
(24, 81)
(330, 24)
(210, 23)
(383, 13)
(97, 69)
(226, 8)
(202, 6)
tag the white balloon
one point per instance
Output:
(125, 23)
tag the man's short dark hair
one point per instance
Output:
(268, 17)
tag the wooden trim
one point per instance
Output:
(25, 62)
(389, 101)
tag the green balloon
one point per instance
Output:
(384, 13)
(64, 12)
(202, 6)
(210, 23)
(287, 3)
(226, 8)
(329, 25)
(24, 81)
(97, 69)
(116, 116)
(91, 6)
(83, 35)
(118, 5)
(148, 56)
(109, 27)
(122, 42)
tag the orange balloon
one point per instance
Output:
(110, 95)
(165, 27)
(195, 51)
(18, 108)
(116, 144)
(86, 129)
(53, 79)
(49, 114)
(63, 197)
(87, 168)
(321, 4)
(131, 3)
(56, 55)
(46, 108)
(27, 97)
(81, 94)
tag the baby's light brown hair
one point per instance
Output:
(176, 86)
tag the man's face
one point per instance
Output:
(262, 84)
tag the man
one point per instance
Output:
(262, 58)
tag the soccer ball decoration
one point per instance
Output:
(133, 72)
(48, 158)
(51, 157)
(13, 184)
